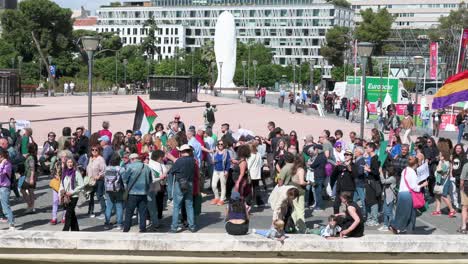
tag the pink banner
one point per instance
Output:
(447, 119)
(434, 57)
(400, 109)
(462, 53)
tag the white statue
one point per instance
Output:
(225, 49)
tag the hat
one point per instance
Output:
(349, 152)
(184, 147)
(138, 133)
(177, 116)
(235, 196)
(134, 156)
(201, 128)
(104, 138)
(338, 145)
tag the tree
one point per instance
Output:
(39, 28)
(338, 40)
(208, 56)
(149, 43)
(374, 28)
(342, 3)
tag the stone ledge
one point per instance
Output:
(152, 243)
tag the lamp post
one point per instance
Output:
(90, 45)
(212, 72)
(418, 61)
(148, 64)
(244, 63)
(364, 50)
(125, 62)
(299, 83)
(254, 62)
(294, 63)
(313, 61)
(381, 61)
(220, 74)
(49, 92)
(322, 72)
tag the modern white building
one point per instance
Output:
(294, 29)
(420, 14)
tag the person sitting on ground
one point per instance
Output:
(237, 216)
(275, 232)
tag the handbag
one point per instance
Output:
(439, 189)
(91, 181)
(64, 198)
(55, 184)
(125, 194)
(417, 197)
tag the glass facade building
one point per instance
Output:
(293, 29)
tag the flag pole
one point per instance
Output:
(456, 71)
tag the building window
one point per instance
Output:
(135, 31)
(176, 31)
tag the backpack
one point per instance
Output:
(210, 115)
(113, 179)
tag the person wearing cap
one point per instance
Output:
(345, 180)
(105, 130)
(49, 152)
(183, 172)
(236, 216)
(107, 150)
(137, 180)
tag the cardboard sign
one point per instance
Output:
(21, 124)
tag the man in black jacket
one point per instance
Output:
(82, 141)
(318, 166)
(360, 178)
(373, 187)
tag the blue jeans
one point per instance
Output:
(461, 129)
(425, 123)
(180, 197)
(373, 213)
(360, 194)
(387, 213)
(114, 199)
(136, 201)
(5, 201)
(318, 192)
(153, 208)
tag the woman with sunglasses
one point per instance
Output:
(71, 185)
(95, 172)
(222, 164)
(293, 141)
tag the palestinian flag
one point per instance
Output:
(144, 117)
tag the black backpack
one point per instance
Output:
(210, 116)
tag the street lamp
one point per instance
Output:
(125, 62)
(313, 61)
(294, 63)
(213, 64)
(220, 74)
(244, 63)
(51, 81)
(254, 62)
(364, 50)
(90, 45)
(418, 61)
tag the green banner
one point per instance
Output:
(377, 87)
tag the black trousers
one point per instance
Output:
(71, 222)
(160, 201)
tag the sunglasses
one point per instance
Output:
(51, 135)
(348, 154)
(94, 149)
(220, 144)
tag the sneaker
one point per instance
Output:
(220, 203)
(101, 217)
(53, 222)
(214, 201)
(175, 231)
(92, 215)
(193, 230)
(383, 229)
(318, 209)
(107, 227)
(118, 227)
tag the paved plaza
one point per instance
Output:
(52, 114)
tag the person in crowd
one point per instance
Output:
(254, 165)
(160, 137)
(407, 125)
(105, 130)
(431, 154)
(281, 202)
(114, 191)
(339, 138)
(410, 109)
(338, 152)
(240, 172)
(147, 145)
(118, 143)
(137, 179)
(57, 173)
(236, 216)
(82, 141)
(443, 186)
(95, 172)
(222, 165)
(405, 213)
(66, 135)
(393, 124)
(458, 160)
(6, 173)
(275, 232)
(29, 183)
(345, 179)
(293, 140)
(157, 190)
(353, 222)
(183, 172)
(436, 121)
(209, 115)
(373, 186)
(227, 137)
(280, 152)
(179, 123)
(298, 180)
(389, 181)
(400, 162)
(196, 146)
(464, 199)
(318, 166)
(270, 150)
(71, 184)
(107, 149)
(285, 175)
(27, 139)
(16, 160)
(460, 121)
(360, 178)
(425, 116)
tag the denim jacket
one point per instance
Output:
(142, 184)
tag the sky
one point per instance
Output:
(88, 4)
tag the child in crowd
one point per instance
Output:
(389, 181)
(276, 231)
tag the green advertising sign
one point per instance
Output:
(375, 87)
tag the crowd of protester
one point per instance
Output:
(179, 166)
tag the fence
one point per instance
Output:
(10, 91)
(173, 88)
